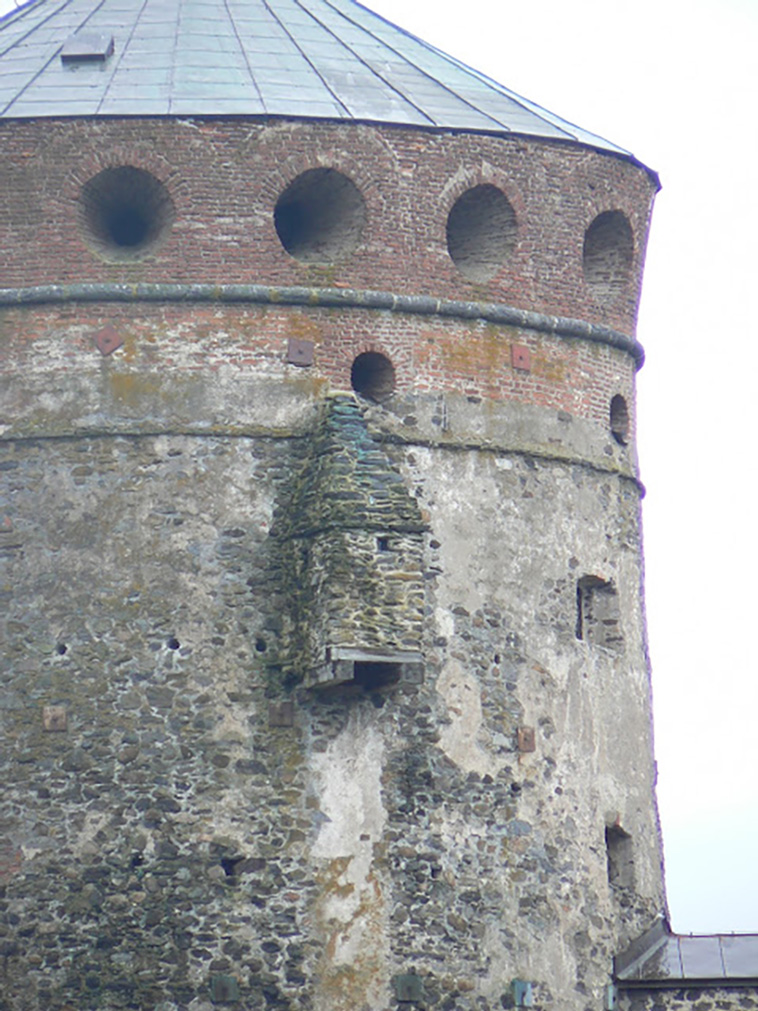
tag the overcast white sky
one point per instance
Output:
(674, 81)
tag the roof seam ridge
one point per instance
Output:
(245, 57)
(310, 63)
(721, 956)
(365, 63)
(26, 34)
(46, 63)
(121, 52)
(425, 73)
(172, 68)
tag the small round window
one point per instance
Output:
(320, 216)
(481, 232)
(125, 211)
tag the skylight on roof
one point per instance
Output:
(87, 47)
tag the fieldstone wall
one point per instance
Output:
(188, 826)
(131, 624)
(710, 998)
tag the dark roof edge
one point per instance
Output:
(653, 939)
(533, 107)
(427, 128)
(18, 8)
(691, 983)
(327, 298)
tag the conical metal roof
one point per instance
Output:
(318, 59)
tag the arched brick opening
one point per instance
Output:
(125, 210)
(619, 420)
(373, 376)
(481, 232)
(608, 253)
(320, 216)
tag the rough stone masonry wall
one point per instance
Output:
(190, 826)
(349, 554)
(224, 180)
(187, 830)
(710, 998)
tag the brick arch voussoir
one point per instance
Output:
(136, 156)
(468, 179)
(314, 146)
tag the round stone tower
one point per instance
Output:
(326, 682)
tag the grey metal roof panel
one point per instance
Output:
(232, 75)
(215, 107)
(119, 107)
(296, 58)
(740, 954)
(706, 957)
(701, 957)
(146, 92)
(276, 106)
(152, 46)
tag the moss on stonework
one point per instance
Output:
(346, 481)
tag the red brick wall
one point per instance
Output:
(225, 178)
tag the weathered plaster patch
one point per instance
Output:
(352, 904)
(231, 728)
(444, 621)
(94, 822)
(458, 738)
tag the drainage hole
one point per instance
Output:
(230, 865)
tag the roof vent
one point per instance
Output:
(87, 47)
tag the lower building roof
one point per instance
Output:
(661, 958)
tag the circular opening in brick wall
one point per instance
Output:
(125, 211)
(481, 232)
(619, 420)
(373, 375)
(608, 253)
(319, 218)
